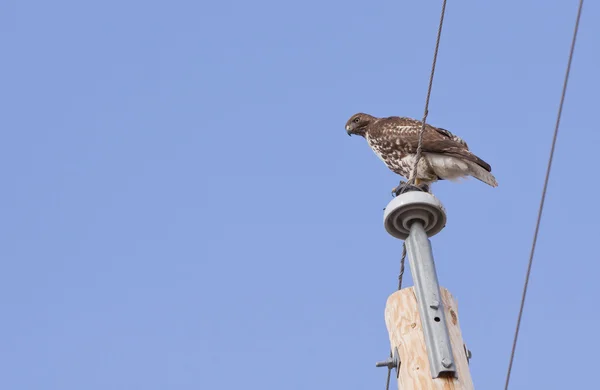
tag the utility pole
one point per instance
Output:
(428, 351)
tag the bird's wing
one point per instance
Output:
(409, 122)
(435, 140)
(451, 136)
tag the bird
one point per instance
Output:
(444, 155)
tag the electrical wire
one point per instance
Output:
(543, 198)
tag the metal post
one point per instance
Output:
(427, 289)
(414, 217)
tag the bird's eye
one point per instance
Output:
(356, 119)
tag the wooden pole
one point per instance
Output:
(404, 326)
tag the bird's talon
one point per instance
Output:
(406, 187)
(424, 187)
(398, 189)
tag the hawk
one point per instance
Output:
(444, 156)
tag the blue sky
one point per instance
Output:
(183, 209)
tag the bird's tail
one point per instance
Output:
(481, 174)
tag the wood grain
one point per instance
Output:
(406, 333)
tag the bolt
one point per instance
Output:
(391, 362)
(387, 363)
(446, 362)
(435, 305)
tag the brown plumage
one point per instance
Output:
(444, 155)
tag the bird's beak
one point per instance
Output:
(348, 130)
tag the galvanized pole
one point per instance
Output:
(429, 298)
(416, 317)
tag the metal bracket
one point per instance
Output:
(392, 362)
(431, 307)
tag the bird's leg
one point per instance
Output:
(421, 185)
(404, 187)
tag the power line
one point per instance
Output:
(402, 260)
(541, 209)
(387, 382)
(426, 111)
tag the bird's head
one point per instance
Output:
(358, 123)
